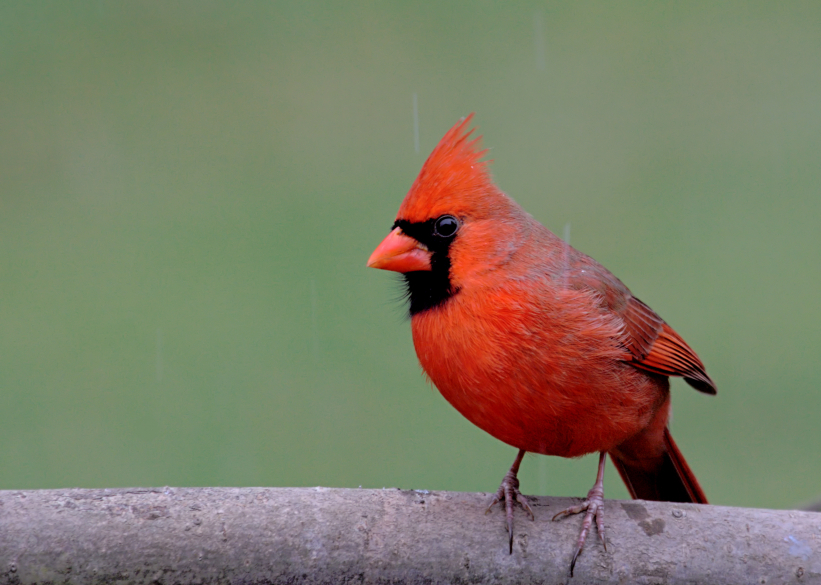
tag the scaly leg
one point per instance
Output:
(594, 504)
(509, 492)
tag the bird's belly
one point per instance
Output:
(549, 398)
(553, 419)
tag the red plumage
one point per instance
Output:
(531, 340)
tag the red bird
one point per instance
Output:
(533, 341)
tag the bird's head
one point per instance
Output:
(453, 223)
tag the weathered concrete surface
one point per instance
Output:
(320, 535)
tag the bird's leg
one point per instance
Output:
(594, 504)
(509, 492)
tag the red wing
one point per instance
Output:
(671, 356)
(642, 326)
(652, 343)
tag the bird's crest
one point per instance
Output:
(452, 180)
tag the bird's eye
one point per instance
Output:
(446, 226)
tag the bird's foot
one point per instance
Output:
(509, 492)
(594, 505)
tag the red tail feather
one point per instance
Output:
(667, 479)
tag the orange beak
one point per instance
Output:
(400, 253)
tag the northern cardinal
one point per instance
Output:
(533, 341)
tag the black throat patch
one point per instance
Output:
(428, 289)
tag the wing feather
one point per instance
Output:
(671, 356)
(642, 326)
(652, 343)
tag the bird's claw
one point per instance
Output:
(509, 492)
(594, 505)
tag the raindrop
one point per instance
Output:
(415, 122)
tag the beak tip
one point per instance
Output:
(372, 262)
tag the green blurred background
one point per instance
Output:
(190, 191)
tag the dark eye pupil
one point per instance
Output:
(446, 226)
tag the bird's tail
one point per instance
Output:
(665, 477)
